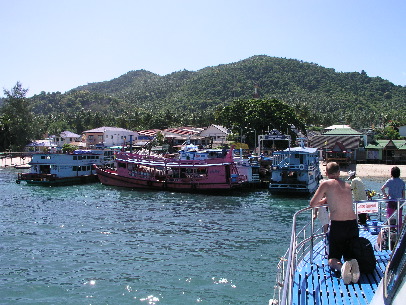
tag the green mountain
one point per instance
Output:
(141, 99)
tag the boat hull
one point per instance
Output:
(52, 169)
(295, 171)
(293, 188)
(60, 181)
(110, 177)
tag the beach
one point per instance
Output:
(369, 170)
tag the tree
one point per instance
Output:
(243, 116)
(68, 148)
(17, 117)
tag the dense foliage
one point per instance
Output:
(255, 116)
(16, 119)
(144, 100)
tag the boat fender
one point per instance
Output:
(301, 167)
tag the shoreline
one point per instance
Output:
(369, 170)
(362, 170)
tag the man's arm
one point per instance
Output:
(319, 196)
(383, 190)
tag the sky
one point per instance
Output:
(57, 45)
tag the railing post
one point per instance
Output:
(311, 236)
(398, 216)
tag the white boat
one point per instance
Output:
(62, 169)
(295, 171)
(304, 277)
(249, 167)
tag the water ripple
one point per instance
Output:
(92, 244)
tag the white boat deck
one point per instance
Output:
(304, 276)
(316, 283)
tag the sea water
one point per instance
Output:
(95, 244)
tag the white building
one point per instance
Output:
(66, 137)
(108, 137)
(215, 132)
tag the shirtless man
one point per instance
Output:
(338, 196)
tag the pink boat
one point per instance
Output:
(150, 172)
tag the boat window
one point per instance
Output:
(121, 164)
(75, 168)
(75, 157)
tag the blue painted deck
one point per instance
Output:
(317, 284)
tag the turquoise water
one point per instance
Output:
(94, 244)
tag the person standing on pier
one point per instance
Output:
(359, 193)
(343, 222)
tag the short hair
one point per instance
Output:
(332, 168)
(395, 172)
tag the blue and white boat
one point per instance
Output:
(304, 276)
(63, 169)
(295, 170)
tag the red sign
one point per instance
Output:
(368, 207)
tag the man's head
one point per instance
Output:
(332, 169)
(395, 172)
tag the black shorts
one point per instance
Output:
(341, 232)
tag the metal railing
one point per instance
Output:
(304, 239)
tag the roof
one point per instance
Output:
(69, 134)
(338, 147)
(309, 150)
(45, 142)
(149, 132)
(343, 131)
(183, 131)
(323, 141)
(221, 128)
(337, 126)
(104, 129)
(382, 144)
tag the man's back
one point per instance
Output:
(339, 199)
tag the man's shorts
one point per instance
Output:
(341, 232)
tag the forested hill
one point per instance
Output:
(321, 95)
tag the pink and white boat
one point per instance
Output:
(159, 173)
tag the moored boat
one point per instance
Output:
(295, 171)
(304, 276)
(218, 172)
(65, 169)
(247, 166)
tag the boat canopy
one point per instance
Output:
(309, 150)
